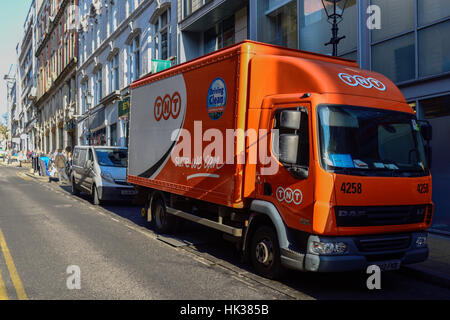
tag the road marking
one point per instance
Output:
(12, 269)
(3, 294)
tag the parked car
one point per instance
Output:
(102, 173)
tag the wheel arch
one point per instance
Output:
(265, 213)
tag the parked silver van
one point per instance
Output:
(102, 173)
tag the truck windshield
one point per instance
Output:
(367, 141)
(112, 157)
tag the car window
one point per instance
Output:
(82, 158)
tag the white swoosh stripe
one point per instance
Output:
(201, 175)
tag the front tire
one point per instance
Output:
(95, 198)
(265, 253)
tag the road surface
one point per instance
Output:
(52, 241)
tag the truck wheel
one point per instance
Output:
(95, 199)
(163, 222)
(265, 253)
(75, 191)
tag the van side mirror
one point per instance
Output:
(290, 119)
(426, 130)
(288, 148)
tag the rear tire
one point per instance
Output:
(163, 222)
(75, 191)
(265, 253)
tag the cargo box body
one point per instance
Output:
(178, 99)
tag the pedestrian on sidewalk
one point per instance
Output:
(60, 163)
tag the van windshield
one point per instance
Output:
(112, 157)
(368, 141)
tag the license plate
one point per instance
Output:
(128, 192)
(388, 265)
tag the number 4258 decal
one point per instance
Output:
(351, 188)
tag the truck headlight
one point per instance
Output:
(108, 177)
(327, 248)
(421, 242)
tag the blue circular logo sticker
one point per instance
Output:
(217, 99)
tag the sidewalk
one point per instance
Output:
(436, 268)
(26, 165)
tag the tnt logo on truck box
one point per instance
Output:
(162, 110)
(168, 106)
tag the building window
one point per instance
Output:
(134, 59)
(395, 51)
(219, 36)
(434, 49)
(397, 17)
(84, 89)
(113, 135)
(277, 22)
(315, 31)
(130, 7)
(432, 10)
(436, 107)
(98, 86)
(114, 73)
(395, 58)
(162, 36)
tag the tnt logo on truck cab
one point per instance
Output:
(358, 80)
(288, 195)
(167, 106)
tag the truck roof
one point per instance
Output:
(256, 47)
(317, 73)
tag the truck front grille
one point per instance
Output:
(379, 215)
(385, 243)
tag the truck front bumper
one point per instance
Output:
(362, 251)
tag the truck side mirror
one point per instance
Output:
(290, 119)
(288, 148)
(426, 130)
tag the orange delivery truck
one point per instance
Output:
(304, 160)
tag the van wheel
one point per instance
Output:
(265, 253)
(163, 222)
(75, 191)
(95, 199)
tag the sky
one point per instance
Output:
(12, 19)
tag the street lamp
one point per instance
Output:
(334, 18)
(89, 98)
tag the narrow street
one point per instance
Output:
(44, 230)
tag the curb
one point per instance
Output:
(426, 275)
(36, 177)
(439, 232)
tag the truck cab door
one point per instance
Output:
(290, 184)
